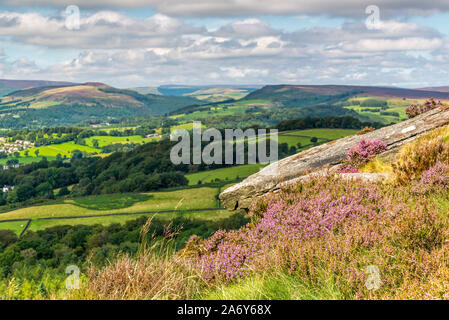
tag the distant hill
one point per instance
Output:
(8, 86)
(146, 90)
(69, 104)
(291, 96)
(438, 89)
(211, 93)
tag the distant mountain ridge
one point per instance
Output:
(49, 103)
(8, 86)
(290, 95)
(438, 89)
(73, 103)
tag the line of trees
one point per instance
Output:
(345, 122)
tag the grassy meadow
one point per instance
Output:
(185, 199)
(64, 149)
(223, 174)
(132, 204)
(107, 140)
(393, 105)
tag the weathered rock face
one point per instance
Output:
(294, 168)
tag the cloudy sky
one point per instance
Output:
(153, 42)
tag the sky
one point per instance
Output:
(138, 43)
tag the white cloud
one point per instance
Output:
(121, 50)
(403, 44)
(104, 29)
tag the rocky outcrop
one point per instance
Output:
(326, 157)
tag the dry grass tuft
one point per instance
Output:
(420, 155)
(156, 273)
(376, 165)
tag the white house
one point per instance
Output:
(7, 188)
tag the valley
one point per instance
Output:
(96, 165)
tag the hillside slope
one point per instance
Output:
(8, 86)
(69, 104)
(291, 96)
(438, 89)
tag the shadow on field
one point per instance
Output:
(111, 202)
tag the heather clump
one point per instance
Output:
(360, 154)
(324, 207)
(435, 179)
(415, 109)
(327, 229)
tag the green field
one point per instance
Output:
(225, 109)
(223, 174)
(107, 140)
(64, 149)
(134, 205)
(43, 224)
(17, 227)
(26, 160)
(393, 105)
(185, 199)
(292, 138)
(185, 126)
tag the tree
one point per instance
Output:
(36, 152)
(7, 237)
(95, 143)
(76, 154)
(12, 162)
(63, 192)
(12, 197)
(314, 140)
(24, 192)
(45, 190)
(26, 152)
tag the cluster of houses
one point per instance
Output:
(12, 147)
(7, 167)
(100, 125)
(153, 135)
